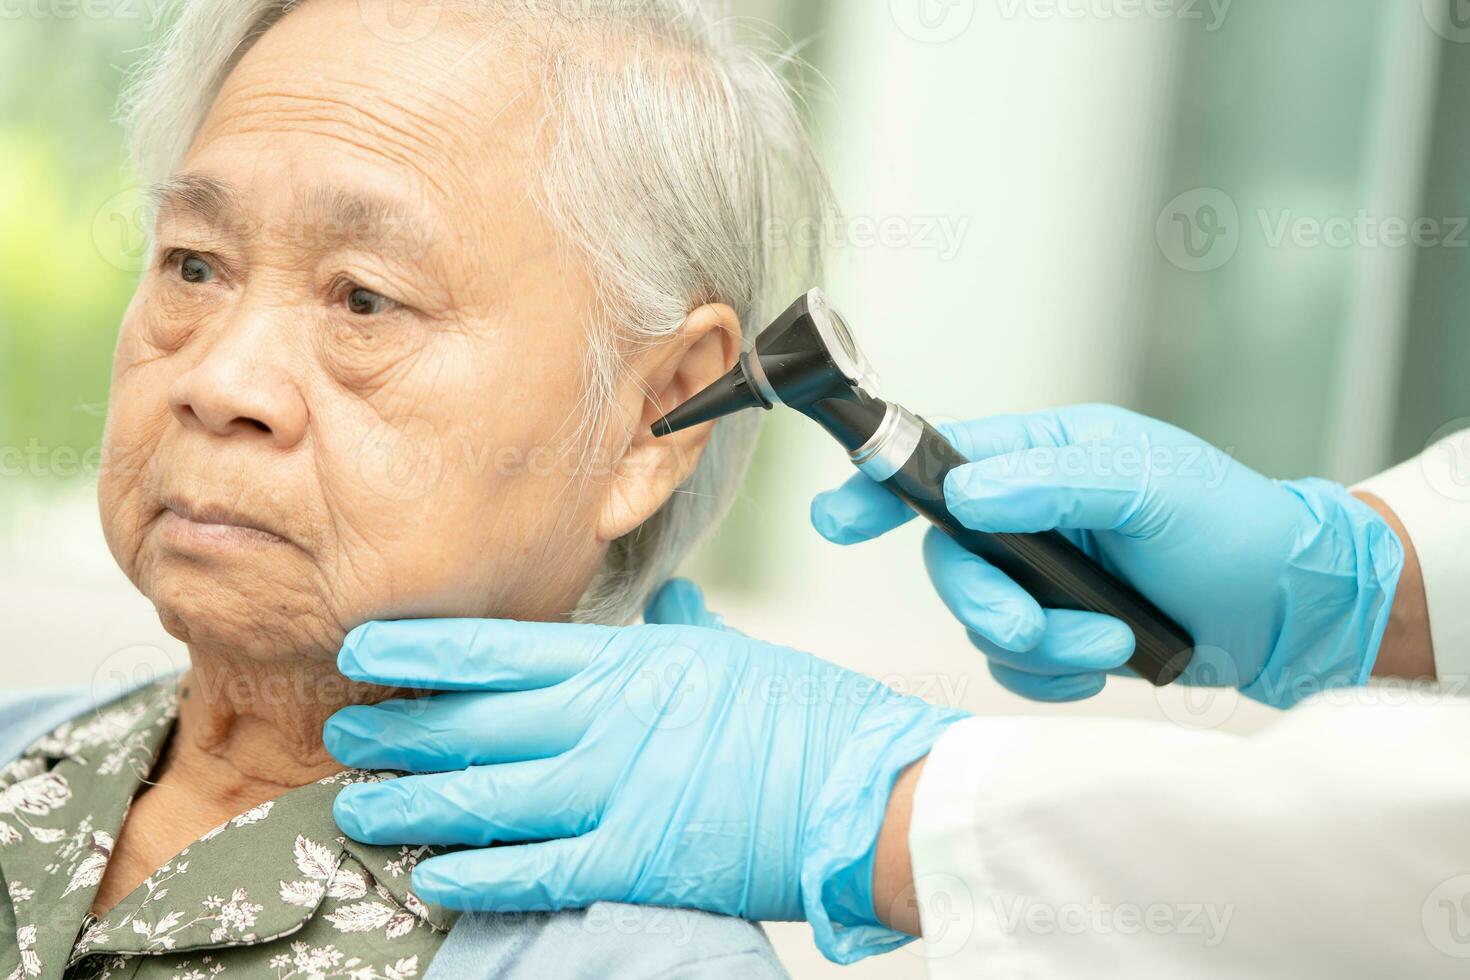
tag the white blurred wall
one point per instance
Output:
(1043, 138)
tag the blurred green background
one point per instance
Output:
(60, 160)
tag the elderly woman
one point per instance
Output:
(418, 285)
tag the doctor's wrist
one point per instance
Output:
(1406, 649)
(895, 901)
(845, 826)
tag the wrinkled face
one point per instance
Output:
(350, 384)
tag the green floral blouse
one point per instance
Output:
(276, 892)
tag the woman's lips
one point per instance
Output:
(212, 527)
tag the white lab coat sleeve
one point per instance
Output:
(1336, 843)
(1431, 496)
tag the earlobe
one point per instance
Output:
(650, 468)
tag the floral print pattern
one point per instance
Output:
(276, 892)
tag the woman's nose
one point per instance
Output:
(235, 390)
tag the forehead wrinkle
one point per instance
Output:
(431, 147)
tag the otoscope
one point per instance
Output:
(807, 359)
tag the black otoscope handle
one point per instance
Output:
(1056, 572)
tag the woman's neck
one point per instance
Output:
(249, 730)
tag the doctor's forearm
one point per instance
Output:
(1406, 650)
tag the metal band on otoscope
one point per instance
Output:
(756, 372)
(891, 446)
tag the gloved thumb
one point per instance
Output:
(679, 602)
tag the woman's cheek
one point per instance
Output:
(138, 417)
(368, 355)
(124, 498)
(388, 407)
(170, 313)
(138, 409)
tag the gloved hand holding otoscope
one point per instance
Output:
(807, 359)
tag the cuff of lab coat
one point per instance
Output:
(1431, 496)
(953, 884)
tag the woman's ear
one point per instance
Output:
(668, 374)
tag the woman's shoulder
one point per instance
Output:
(609, 940)
(27, 715)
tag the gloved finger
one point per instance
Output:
(859, 510)
(679, 602)
(469, 654)
(519, 801)
(1074, 643)
(553, 874)
(998, 435)
(1038, 687)
(981, 596)
(453, 731)
(1045, 488)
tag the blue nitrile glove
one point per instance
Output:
(1285, 586)
(658, 764)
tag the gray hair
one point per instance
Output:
(676, 164)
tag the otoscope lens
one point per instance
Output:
(844, 336)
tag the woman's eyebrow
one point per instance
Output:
(334, 217)
(325, 217)
(210, 199)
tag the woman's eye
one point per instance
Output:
(193, 268)
(365, 302)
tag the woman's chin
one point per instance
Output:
(255, 623)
